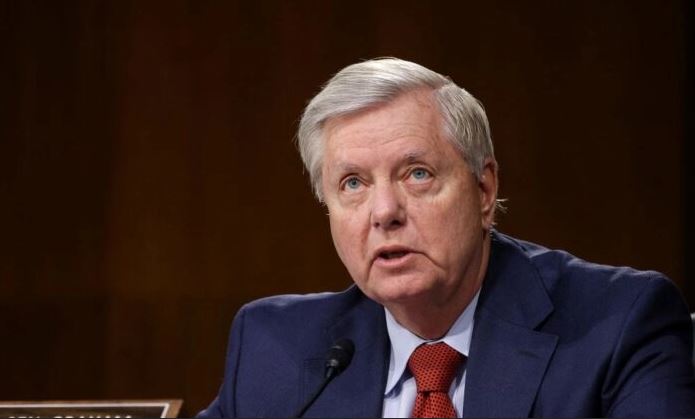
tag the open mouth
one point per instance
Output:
(392, 255)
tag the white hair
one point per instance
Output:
(360, 86)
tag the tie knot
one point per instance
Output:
(434, 367)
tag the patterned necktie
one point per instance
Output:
(434, 368)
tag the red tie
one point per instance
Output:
(434, 368)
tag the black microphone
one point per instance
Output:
(338, 358)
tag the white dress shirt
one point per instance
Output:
(400, 392)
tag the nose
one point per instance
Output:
(388, 210)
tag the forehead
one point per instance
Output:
(411, 125)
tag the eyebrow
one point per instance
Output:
(347, 167)
(414, 156)
(407, 158)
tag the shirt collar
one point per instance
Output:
(404, 342)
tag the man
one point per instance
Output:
(448, 317)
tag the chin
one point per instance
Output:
(399, 290)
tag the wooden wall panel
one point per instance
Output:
(149, 183)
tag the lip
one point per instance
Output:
(395, 262)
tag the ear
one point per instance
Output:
(487, 186)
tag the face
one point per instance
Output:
(409, 219)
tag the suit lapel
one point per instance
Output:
(359, 390)
(505, 369)
(508, 357)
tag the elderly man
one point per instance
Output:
(448, 316)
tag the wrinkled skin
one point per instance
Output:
(409, 219)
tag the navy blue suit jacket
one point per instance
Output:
(553, 336)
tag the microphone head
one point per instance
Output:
(339, 356)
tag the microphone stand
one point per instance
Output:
(338, 358)
(331, 373)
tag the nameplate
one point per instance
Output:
(92, 409)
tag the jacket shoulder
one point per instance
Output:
(301, 309)
(564, 274)
(624, 335)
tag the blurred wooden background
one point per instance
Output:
(149, 184)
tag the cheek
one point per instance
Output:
(346, 238)
(447, 219)
(338, 234)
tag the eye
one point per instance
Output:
(352, 183)
(419, 174)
